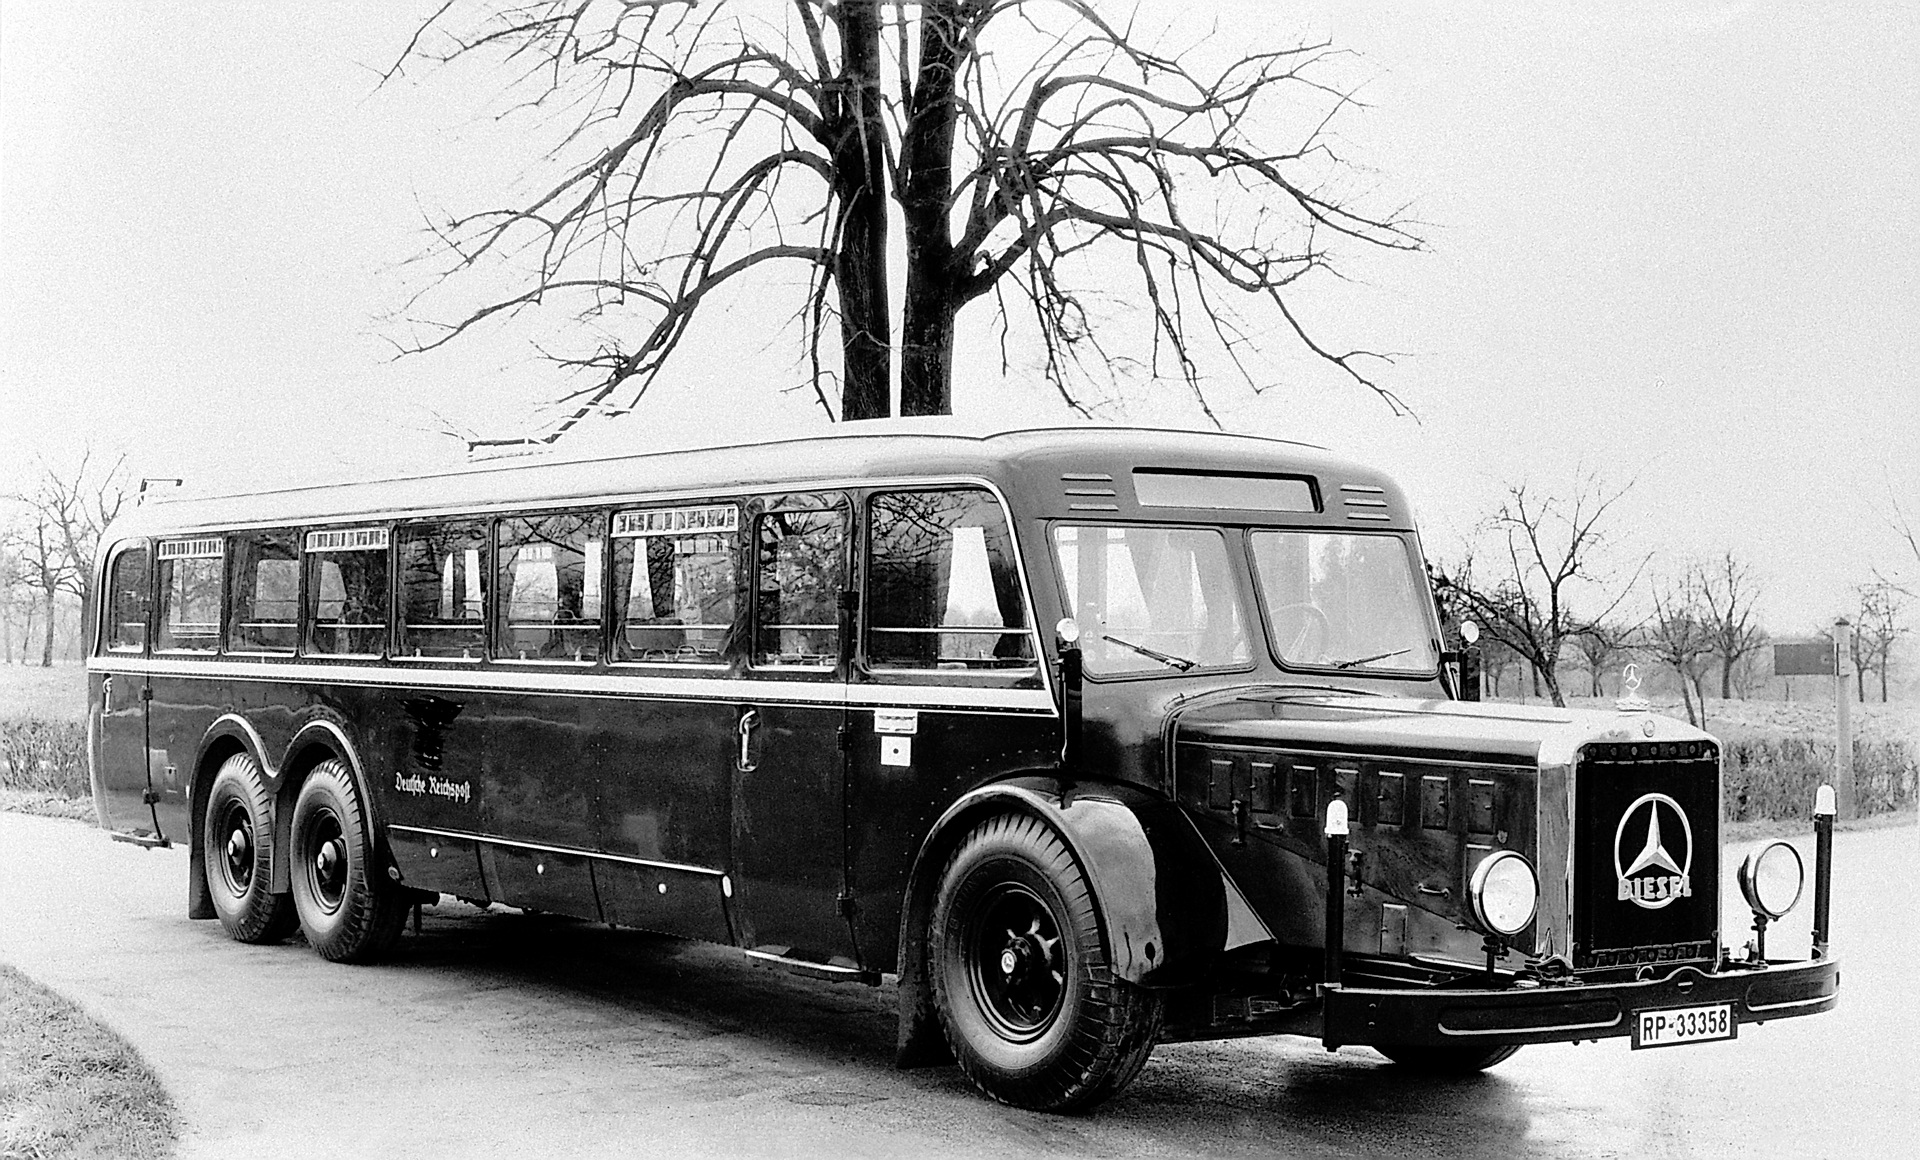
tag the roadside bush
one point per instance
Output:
(44, 757)
(1775, 777)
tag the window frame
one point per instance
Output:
(309, 597)
(397, 616)
(1031, 675)
(828, 501)
(495, 614)
(156, 620)
(1416, 568)
(615, 620)
(1231, 543)
(105, 640)
(230, 592)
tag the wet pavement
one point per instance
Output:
(500, 1034)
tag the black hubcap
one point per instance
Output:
(327, 860)
(1018, 962)
(239, 847)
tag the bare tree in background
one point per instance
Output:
(1876, 629)
(1599, 645)
(1680, 636)
(1726, 591)
(58, 533)
(1547, 548)
(1021, 143)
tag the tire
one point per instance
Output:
(348, 910)
(1025, 992)
(1448, 1060)
(236, 846)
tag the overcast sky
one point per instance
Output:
(1671, 243)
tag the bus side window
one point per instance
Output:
(347, 590)
(443, 585)
(264, 592)
(674, 583)
(127, 602)
(189, 590)
(549, 588)
(942, 589)
(800, 571)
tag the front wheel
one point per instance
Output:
(1027, 997)
(1448, 1060)
(237, 852)
(348, 910)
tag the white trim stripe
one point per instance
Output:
(567, 851)
(595, 684)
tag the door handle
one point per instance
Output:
(748, 719)
(106, 692)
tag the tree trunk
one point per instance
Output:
(926, 329)
(46, 650)
(1726, 677)
(860, 185)
(1686, 698)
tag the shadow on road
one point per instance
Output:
(723, 1024)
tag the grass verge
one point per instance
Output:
(71, 1088)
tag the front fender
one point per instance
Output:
(1166, 909)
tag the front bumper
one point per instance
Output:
(1564, 1012)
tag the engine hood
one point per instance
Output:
(1415, 728)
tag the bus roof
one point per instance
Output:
(1031, 462)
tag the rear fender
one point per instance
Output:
(1166, 909)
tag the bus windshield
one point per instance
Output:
(1342, 600)
(1151, 600)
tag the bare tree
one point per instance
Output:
(1546, 551)
(1599, 645)
(1029, 148)
(58, 533)
(1727, 589)
(1876, 629)
(1679, 636)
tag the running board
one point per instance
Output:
(150, 841)
(832, 972)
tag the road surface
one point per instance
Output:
(513, 1035)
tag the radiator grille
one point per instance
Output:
(1646, 866)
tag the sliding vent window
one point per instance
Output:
(942, 589)
(800, 573)
(347, 593)
(189, 586)
(549, 594)
(264, 588)
(443, 584)
(673, 577)
(127, 602)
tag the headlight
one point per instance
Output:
(1504, 892)
(1771, 878)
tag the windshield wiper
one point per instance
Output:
(1375, 657)
(1181, 663)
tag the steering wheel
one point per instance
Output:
(1304, 631)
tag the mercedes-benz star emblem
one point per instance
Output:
(1653, 878)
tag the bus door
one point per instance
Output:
(125, 779)
(788, 762)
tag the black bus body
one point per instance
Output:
(1062, 727)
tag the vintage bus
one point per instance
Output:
(1093, 738)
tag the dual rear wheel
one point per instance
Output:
(339, 900)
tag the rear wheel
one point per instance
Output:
(1448, 1060)
(237, 852)
(348, 910)
(1028, 1000)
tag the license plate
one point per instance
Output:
(1671, 1025)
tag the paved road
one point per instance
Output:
(499, 1034)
